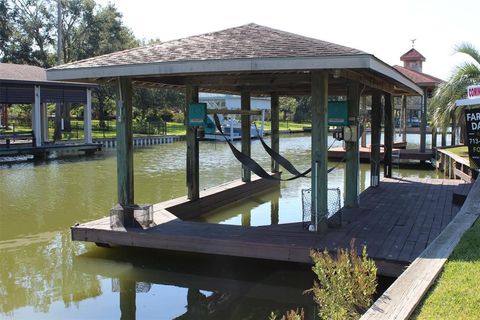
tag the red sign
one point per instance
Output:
(473, 92)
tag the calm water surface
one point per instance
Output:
(44, 275)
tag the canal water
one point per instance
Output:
(44, 275)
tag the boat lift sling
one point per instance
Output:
(198, 114)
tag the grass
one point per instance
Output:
(460, 151)
(456, 293)
(173, 128)
(283, 125)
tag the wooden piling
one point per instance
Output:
(352, 154)
(193, 153)
(375, 140)
(246, 138)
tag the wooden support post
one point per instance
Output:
(193, 152)
(364, 131)
(87, 118)
(246, 218)
(124, 145)
(319, 99)
(376, 128)
(352, 167)
(44, 122)
(423, 123)
(246, 127)
(128, 294)
(37, 118)
(434, 137)
(274, 210)
(275, 115)
(388, 137)
(404, 118)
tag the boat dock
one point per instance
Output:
(396, 221)
(365, 154)
(19, 149)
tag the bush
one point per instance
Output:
(179, 117)
(166, 115)
(345, 285)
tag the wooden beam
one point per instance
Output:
(376, 130)
(87, 118)
(128, 306)
(404, 118)
(274, 134)
(234, 111)
(319, 194)
(193, 154)
(124, 142)
(423, 123)
(246, 138)
(352, 170)
(36, 118)
(388, 138)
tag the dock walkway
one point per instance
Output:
(396, 221)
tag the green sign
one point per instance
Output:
(337, 113)
(197, 114)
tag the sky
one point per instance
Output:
(382, 28)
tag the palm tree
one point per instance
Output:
(443, 101)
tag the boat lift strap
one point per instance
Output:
(252, 165)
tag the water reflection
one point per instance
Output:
(216, 287)
(44, 275)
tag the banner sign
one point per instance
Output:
(472, 119)
(473, 91)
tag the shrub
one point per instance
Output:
(346, 284)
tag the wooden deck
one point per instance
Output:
(396, 220)
(405, 154)
(18, 149)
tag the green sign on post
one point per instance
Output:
(337, 113)
(197, 114)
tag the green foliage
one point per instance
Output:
(289, 315)
(443, 100)
(287, 105)
(303, 112)
(179, 117)
(29, 32)
(345, 284)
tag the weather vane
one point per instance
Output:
(413, 42)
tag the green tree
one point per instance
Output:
(287, 105)
(443, 100)
(303, 112)
(31, 32)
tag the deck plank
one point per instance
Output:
(396, 221)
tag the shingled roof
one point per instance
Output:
(23, 72)
(247, 41)
(259, 58)
(412, 54)
(420, 78)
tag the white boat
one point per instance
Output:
(232, 129)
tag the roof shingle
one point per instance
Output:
(10, 71)
(412, 54)
(247, 41)
(419, 78)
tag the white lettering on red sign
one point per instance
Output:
(473, 92)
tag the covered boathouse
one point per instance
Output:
(395, 218)
(24, 84)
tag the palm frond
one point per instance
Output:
(469, 49)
